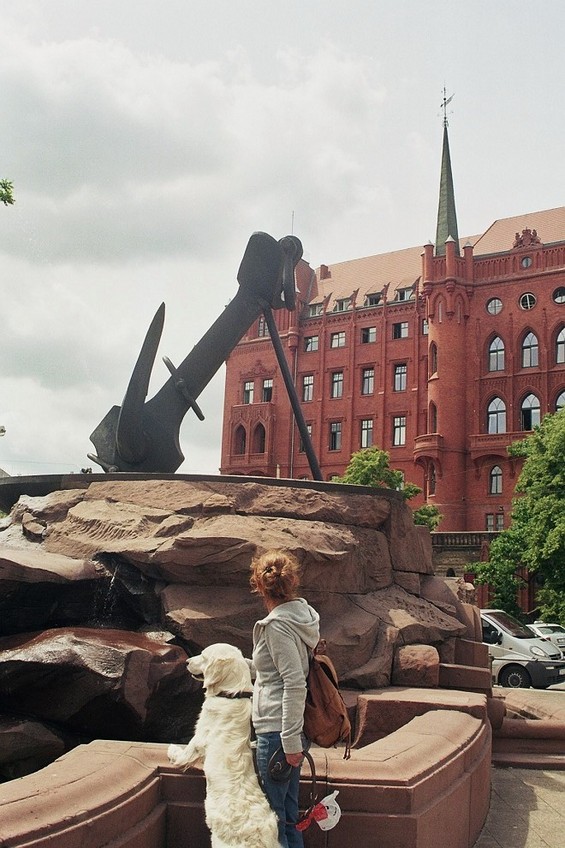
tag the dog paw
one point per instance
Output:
(176, 755)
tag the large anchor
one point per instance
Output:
(144, 436)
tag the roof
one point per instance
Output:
(402, 268)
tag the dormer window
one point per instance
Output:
(342, 304)
(404, 294)
(315, 309)
(372, 299)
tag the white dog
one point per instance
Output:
(237, 812)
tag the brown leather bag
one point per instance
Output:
(326, 721)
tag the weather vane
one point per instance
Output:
(445, 103)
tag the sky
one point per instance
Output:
(148, 140)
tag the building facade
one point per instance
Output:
(441, 356)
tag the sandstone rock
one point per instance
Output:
(412, 548)
(39, 589)
(27, 746)
(409, 581)
(94, 681)
(416, 665)
(436, 590)
(202, 617)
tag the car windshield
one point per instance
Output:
(546, 631)
(555, 628)
(510, 625)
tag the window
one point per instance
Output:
(372, 299)
(560, 402)
(335, 435)
(495, 480)
(240, 439)
(308, 387)
(530, 413)
(366, 432)
(400, 377)
(343, 304)
(431, 479)
(432, 418)
(248, 389)
(301, 447)
(310, 343)
(262, 328)
(337, 339)
(560, 346)
(530, 351)
(496, 355)
(368, 335)
(267, 391)
(496, 416)
(259, 439)
(399, 430)
(527, 301)
(400, 330)
(494, 306)
(403, 294)
(559, 295)
(337, 384)
(315, 309)
(526, 262)
(433, 359)
(494, 522)
(425, 327)
(367, 381)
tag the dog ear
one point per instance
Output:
(216, 671)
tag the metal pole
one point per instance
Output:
(291, 389)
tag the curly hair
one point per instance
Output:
(275, 575)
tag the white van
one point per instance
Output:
(520, 659)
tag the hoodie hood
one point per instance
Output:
(300, 617)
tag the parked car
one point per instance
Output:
(518, 658)
(554, 632)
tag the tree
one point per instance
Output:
(371, 467)
(535, 539)
(7, 192)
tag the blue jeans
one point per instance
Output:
(283, 797)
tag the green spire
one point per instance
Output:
(446, 214)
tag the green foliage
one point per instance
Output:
(6, 192)
(429, 515)
(371, 467)
(536, 537)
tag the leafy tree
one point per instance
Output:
(535, 539)
(6, 192)
(371, 467)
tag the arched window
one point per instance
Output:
(530, 351)
(240, 440)
(496, 416)
(560, 402)
(432, 421)
(495, 480)
(433, 359)
(529, 412)
(431, 479)
(496, 355)
(560, 346)
(259, 439)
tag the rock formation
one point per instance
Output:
(105, 589)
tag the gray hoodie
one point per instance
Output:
(281, 644)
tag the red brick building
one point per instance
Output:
(442, 357)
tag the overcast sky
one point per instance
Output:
(147, 140)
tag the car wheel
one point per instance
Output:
(515, 677)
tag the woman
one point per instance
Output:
(281, 644)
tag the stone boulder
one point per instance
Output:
(105, 588)
(99, 681)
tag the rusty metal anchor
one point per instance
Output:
(143, 436)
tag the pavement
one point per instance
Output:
(527, 807)
(527, 810)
